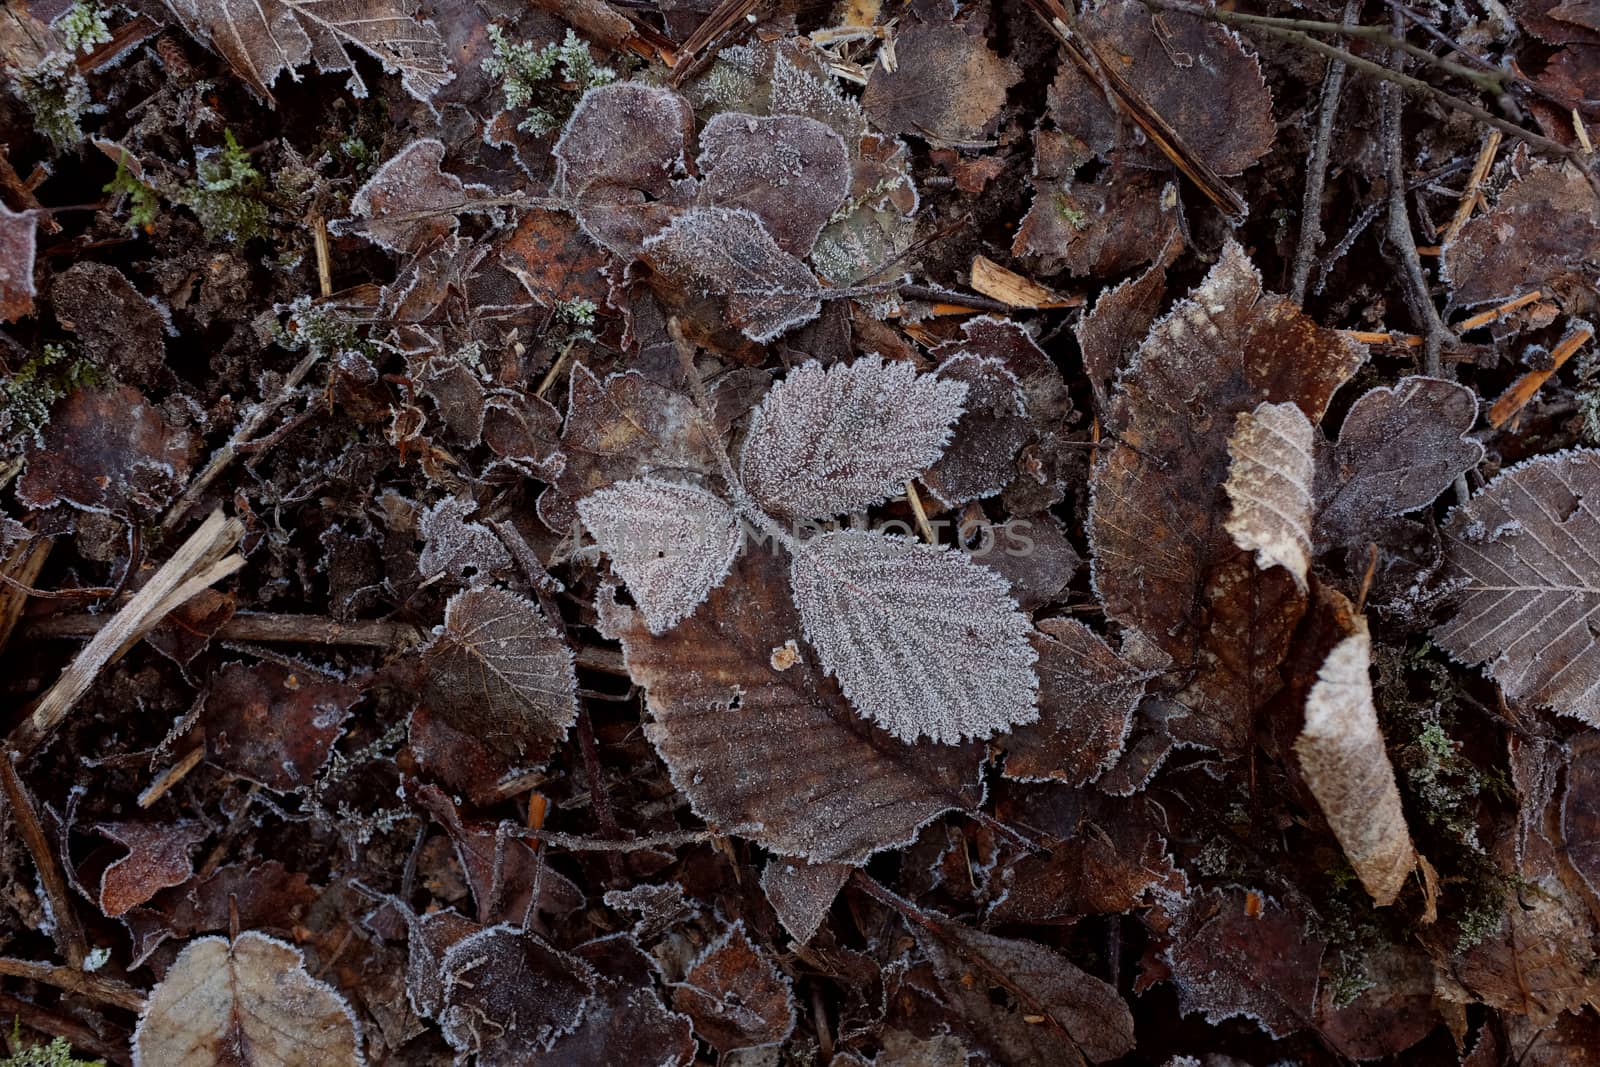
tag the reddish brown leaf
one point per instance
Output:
(274, 725)
(1542, 231)
(158, 856)
(106, 449)
(802, 893)
(509, 995)
(17, 235)
(735, 995)
(1099, 228)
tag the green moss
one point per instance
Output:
(83, 27)
(27, 395)
(1074, 215)
(58, 96)
(58, 1053)
(143, 204)
(226, 197)
(544, 82)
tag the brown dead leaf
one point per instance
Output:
(791, 172)
(509, 995)
(1544, 228)
(17, 236)
(119, 328)
(736, 996)
(802, 893)
(158, 857)
(723, 716)
(1105, 227)
(273, 725)
(410, 203)
(106, 449)
(946, 87)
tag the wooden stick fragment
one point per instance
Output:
(1483, 318)
(105, 990)
(199, 562)
(1522, 390)
(171, 776)
(22, 567)
(1009, 287)
(1469, 196)
(68, 931)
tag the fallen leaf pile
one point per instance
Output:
(872, 535)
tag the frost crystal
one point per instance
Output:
(671, 543)
(921, 639)
(826, 442)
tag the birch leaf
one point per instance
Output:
(261, 39)
(1346, 766)
(251, 1003)
(826, 442)
(509, 995)
(672, 544)
(792, 172)
(1270, 485)
(922, 640)
(1524, 553)
(728, 253)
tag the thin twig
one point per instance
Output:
(67, 930)
(1317, 169)
(1469, 196)
(105, 990)
(1522, 390)
(574, 843)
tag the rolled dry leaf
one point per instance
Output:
(1343, 757)
(1270, 483)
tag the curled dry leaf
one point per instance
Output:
(499, 675)
(106, 449)
(1270, 484)
(723, 717)
(791, 172)
(946, 86)
(844, 439)
(509, 995)
(671, 543)
(1522, 556)
(1194, 73)
(1087, 696)
(17, 238)
(922, 640)
(728, 253)
(1347, 768)
(261, 39)
(736, 996)
(158, 857)
(1163, 563)
(1398, 449)
(274, 725)
(250, 1002)
(802, 893)
(1545, 226)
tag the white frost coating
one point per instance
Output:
(672, 544)
(792, 171)
(922, 640)
(625, 133)
(1270, 486)
(827, 442)
(728, 252)
(455, 545)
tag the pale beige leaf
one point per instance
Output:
(1270, 484)
(249, 1003)
(1345, 763)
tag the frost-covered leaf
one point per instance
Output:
(1342, 755)
(736, 996)
(625, 1021)
(106, 448)
(826, 442)
(922, 640)
(249, 1003)
(802, 893)
(273, 725)
(671, 543)
(723, 716)
(17, 237)
(500, 674)
(791, 172)
(1270, 485)
(728, 253)
(158, 857)
(1398, 449)
(1087, 696)
(1194, 73)
(1544, 228)
(1059, 1012)
(1120, 222)
(1580, 809)
(1235, 952)
(1110, 332)
(454, 546)
(618, 159)
(410, 202)
(980, 458)
(1163, 563)
(1523, 553)
(946, 86)
(261, 39)
(509, 995)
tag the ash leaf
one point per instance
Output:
(1270, 483)
(728, 253)
(922, 640)
(827, 442)
(1523, 553)
(792, 172)
(246, 1001)
(499, 672)
(1347, 768)
(17, 238)
(672, 544)
(261, 39)
(1398, 449)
